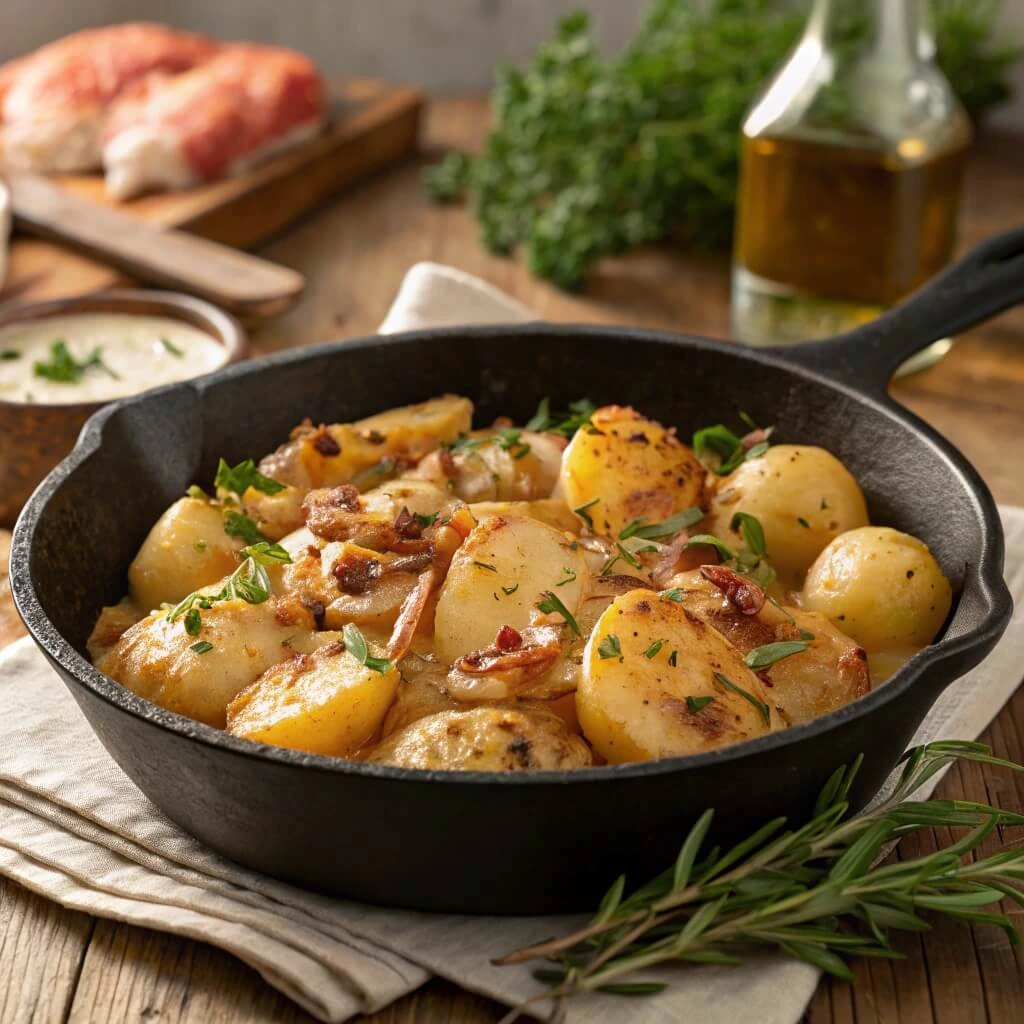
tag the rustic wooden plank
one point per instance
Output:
(42, 946)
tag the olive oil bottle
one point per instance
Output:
(852, 162)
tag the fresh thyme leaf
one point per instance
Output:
(356, 645)
(266, 553)
(238, 524)
(249, 582)
(652, 651)
(508, 440)
(550, 604)
(510, 590)
(752, 533)
(768, 654)
(756, 451)
(202, 647)
(628, 556)
(172, 348)
(64, 368)
(763, 709)
(570, 577)
(723, 549)
(697, 704)
(193, 622)
(803, 522)
(675, 594)
(666, 528)
(584, 514)
(815, 892)
(609, 647)
(719, 441)
(9, 354)
(806, 635)
(425, 520)
(566, 423)
(238, 479)
(541, 418)
(486, 566)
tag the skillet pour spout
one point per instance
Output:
(520, 843)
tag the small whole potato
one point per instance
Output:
(802, 495)
(882, 588)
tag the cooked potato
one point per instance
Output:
(486, 740)
(276, 515)
(114, 621)
(552, 511)
(634, 467)
(339, 453)
(882, 587)
(802, 495)
(155, 658)
(186, 549)
(421, 692)
(500, 554)
(634, 704)
(324, 703)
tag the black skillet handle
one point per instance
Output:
(984, 282)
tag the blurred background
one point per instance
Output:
(441, 45)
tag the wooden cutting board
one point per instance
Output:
(374, 124)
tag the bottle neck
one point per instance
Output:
(895, 32)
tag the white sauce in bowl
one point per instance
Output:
(111, 355)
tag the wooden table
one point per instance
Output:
(57, 964)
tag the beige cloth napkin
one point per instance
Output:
(76, 830)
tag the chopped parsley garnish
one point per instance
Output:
(806, 635)
(249, 582)
(752, 532)
(723, 549)
(356, 645)
(803, 522)
(581, 511)
(675, 594)
(507, 591)
(238, 479)
(172, 348)
(200, 546)
(193, 622)
(695, 705)
(570, 577)
(672, 659)
(508, 440)
(266, 553)
(728, 684)
(652, 651)
(64, 368)
(237, 524)
(723, 446)
(9, 354)
(566, 423)
(667, 528)
(550, 604)
(202, 647)
(424, 521)
(609, 647)
(823, 505)
(486, 565)
(768, 654)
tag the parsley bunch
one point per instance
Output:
(589, 156)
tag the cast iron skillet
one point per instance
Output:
(515, 843)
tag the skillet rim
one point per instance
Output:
(56, 647)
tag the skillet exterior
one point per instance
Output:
(478, 842)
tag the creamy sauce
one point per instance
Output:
(134, 353)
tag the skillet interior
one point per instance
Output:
(483, 842)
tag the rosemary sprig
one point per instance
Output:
(814, 893)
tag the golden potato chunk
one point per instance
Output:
(485, 739)
(659, 681)
(803, 497)
(324, 703)
(158, 659)
(882, 587)
(498, 577)
(552, 511)
(633, 467)
(186, 549)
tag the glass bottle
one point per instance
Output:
(851, 167)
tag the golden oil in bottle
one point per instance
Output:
(851, 171)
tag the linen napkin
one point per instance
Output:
(74, 829)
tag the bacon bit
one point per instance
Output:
(313, 551)
(344, 496)
(529, 661)
(755, 437)
(409, 615)
(356, 573)
(746, 595)
(325, 443)
(508, 639)
(406, 525)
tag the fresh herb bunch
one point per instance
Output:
(589, 156)
(814, 893)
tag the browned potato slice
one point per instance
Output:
(113, 623)
(552, 511)
(485, 739)
(634, 467)
(186, 549)
(634, 704)
(324, 703)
